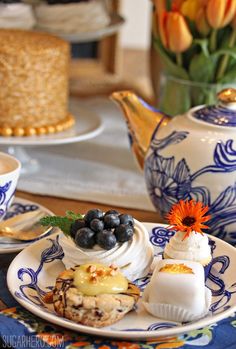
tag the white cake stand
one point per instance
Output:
(87, 125)
(116, 22)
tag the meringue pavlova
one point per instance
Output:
(188, 219)
(109, 238)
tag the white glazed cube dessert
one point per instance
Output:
(177, 291)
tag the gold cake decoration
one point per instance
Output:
(38, 131)
(177, 269)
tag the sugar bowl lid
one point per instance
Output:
(223, 114)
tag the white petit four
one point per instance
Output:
(177, 291)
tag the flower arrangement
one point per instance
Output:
(188, 216)
(196, 42)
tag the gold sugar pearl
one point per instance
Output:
(18, 131)
(59, 128)
(66, 125)
(41, 130)
(70, 122)
(50, 129)
(7, 131)
(30, 131)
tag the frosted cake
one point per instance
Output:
(34, 83)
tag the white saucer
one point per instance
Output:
(19, 206)
(116, 22)
(88, 125)
(34, 271)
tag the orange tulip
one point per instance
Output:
(173, 29)
(234, 22)
(220, 12)
(174, 32)
(202, 23)
(160, 6)
(176, 5)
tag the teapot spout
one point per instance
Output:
(142, 121)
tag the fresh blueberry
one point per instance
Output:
(85, 238)
(79, 223)
(112, 212)
(124, 232)
(97, 225)
(106, 239)
(91, 214)
(126, 219)
(111, 221)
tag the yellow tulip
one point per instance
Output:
(220, 12)
(190, 8)
(202, 23)
(175, 34)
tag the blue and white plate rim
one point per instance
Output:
(25, 205)
(122, 334)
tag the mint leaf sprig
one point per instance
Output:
(62, 222)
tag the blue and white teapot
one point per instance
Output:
(191, 156)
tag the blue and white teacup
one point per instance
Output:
(9, 173)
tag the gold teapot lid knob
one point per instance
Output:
(227, 96)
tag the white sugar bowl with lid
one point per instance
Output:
(191, 156)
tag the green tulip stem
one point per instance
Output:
(213, 40)
(225, 58)
(179, 59)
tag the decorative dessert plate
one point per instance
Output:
(116, 22)
(20, 206)
(87, 125)
(33, 272)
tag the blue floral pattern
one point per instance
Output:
(3, 202)
(18, 208)
(216, 115)
(47, 256)
(169, 181)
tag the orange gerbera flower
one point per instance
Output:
(188, 216)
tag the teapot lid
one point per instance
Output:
(223, 114)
